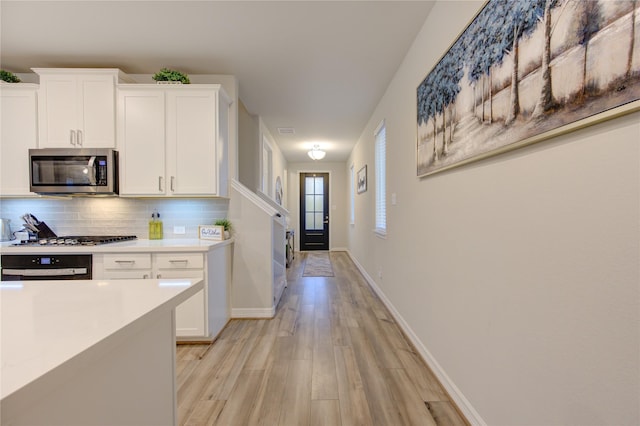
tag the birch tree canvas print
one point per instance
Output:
(524, 69)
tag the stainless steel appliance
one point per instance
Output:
(73, 240)
(21, 267)
(74, 171)
(27, 267)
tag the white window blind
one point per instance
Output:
(381, 179)
(352, 195)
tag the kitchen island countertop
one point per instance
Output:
(55, 331)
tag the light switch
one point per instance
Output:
(178, 230)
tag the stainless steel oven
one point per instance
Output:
(84, 171)
(30, 267)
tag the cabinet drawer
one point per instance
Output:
(129, 274)
(179, 260)
(127, 261)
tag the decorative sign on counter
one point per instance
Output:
(211, 232)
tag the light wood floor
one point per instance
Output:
(333, 355)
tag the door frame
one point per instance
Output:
(297, 205)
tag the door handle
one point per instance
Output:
(92, 169)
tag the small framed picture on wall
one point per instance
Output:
(362, 180)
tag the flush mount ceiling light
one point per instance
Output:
(316, 153)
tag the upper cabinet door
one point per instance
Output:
(58, 109)
(96, 111)
(191, 142)
(18, 133)
(77, 108)
(141, 142)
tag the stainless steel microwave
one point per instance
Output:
(74, 171)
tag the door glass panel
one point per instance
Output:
(309, 186)
(310, 222)
(314, 206)
(310, 205)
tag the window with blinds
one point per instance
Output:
(381, 179)
(352, 195)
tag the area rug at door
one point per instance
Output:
(317, 264)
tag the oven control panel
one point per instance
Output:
(41, 267)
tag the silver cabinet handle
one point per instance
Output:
(160, 183)
(79, 139)
(128, 262)
(145, 276)
(159, 276)
(172, 183)
(72, 137)
(178, 261)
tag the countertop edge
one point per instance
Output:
(141, 246)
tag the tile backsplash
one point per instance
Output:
(116, 216)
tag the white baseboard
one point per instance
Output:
(339, 249)
(253, 312)
(459, 399)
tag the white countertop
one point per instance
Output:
(47, 323)
(139, 245)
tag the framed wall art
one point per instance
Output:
(361, 180)
(526, 70)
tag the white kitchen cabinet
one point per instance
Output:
(18, 133)
(141, 141)
(173, 140)
(202, 316)
(125, 266)
(76, 107)
(190, 315)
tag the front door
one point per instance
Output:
(314, 211)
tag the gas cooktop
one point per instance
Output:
(78, 240)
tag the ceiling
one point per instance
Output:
(317, 66)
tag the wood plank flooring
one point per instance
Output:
(333, 355)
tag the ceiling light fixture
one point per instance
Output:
(316, 153)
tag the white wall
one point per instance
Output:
(518, 275)
(338, 200)
(248, 148)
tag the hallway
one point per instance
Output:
(333, 355)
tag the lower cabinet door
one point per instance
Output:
(190, 315)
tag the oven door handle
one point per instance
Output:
(45, 272)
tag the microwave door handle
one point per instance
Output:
(92, 171)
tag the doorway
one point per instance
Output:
(314, 211)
